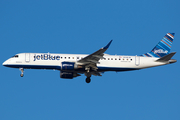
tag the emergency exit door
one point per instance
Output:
(137, 60)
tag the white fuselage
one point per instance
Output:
(53, 61)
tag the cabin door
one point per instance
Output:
(27, 57)
(137, 60)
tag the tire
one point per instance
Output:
(21, 75)
(88, 80)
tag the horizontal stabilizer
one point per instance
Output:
(166, 58)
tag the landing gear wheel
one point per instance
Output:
(88, 80)
(21, 75)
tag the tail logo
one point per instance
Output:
(162, 48)
(160, 51)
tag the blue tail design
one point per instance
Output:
(162, 48)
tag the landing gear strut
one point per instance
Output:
(88, 80)
(22, 72)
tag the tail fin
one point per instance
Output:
(162, 48)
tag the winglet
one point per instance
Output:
(107, 46)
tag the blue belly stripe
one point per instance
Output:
(59, 67)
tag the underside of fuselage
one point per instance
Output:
(81, 70)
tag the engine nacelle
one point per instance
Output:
(68, 75)
(68, 66)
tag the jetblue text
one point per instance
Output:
(46, 57)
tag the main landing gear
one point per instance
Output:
(22, 72)
(88, 74)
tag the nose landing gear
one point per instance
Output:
(22, 72)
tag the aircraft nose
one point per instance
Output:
(4, 63)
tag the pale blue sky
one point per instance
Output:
(80, 26)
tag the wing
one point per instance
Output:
(92, 60)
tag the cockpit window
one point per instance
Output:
(15, 56)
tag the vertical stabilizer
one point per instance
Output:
(162, 48)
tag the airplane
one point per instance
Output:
(73, 65)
